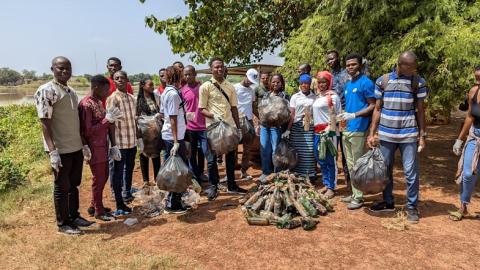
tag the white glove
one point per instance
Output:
(87, 154)
(190, 116)
(115, 153)
(55, 160)
(113, 115)
(217, 118)
(175, 148)
(457, 147)
(286, 134)
(239, 134)
(345, 116)
(140, 144)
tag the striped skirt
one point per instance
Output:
(302, 141)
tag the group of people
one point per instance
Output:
(342, 107)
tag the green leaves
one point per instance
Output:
(443, 34)
(239, 31)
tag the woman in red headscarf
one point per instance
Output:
(325, 108)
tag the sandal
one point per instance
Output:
(323, 190)
(455, 215)
(329, 194)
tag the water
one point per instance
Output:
(25, 96)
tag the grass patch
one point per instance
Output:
(398, 223)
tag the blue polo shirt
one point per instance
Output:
(356, 94)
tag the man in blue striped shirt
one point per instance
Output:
(399, 116)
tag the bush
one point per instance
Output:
(11, 175)
(20, 144)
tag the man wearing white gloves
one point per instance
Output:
(126, 140)
(95, 126)
(359, 96)
(218, 100)
(56, 105)
(173, 131)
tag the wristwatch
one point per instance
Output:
(424, 135)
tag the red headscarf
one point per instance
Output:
(327, 75)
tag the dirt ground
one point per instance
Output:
(215, 236)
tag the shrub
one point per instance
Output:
(11, 175)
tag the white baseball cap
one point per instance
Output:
(252, 75)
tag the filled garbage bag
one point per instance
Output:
(222, 138)
(285, 156)
(150, 128)
(370, 173)
(273, 111)
(248, 131)
(174, 175)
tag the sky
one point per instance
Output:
(88, 32)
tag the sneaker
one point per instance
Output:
(120, 212)
(180, 210)
(105, 217)
(81, 222)
(126, 209)
(382, 207)
(346, 199)
(354, 205)
(69, 230)
(212, 193)
(412, 215)
(91, 211)
(224, 180)
(236, 190)
(246, 176)
(329, 194)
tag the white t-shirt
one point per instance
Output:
(171, 105)
(320, 109)
(299, 101)
(246, 97)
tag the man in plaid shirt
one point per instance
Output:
(126, 140)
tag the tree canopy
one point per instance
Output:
(444, 34)
(238, 31)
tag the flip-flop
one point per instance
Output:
(455, 215)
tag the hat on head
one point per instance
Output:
(252, 75)
(305, 78)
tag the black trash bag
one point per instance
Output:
(151, 131)
(248, 130)
(222, 138)
(174, 175)
(273, 111)
(370, 173)
(285, 156)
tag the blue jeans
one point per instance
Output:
(469, 178)
(122, 175)
(198, 144)
(269, 139)
(328, 165)
(174, 199)
(408, 152)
